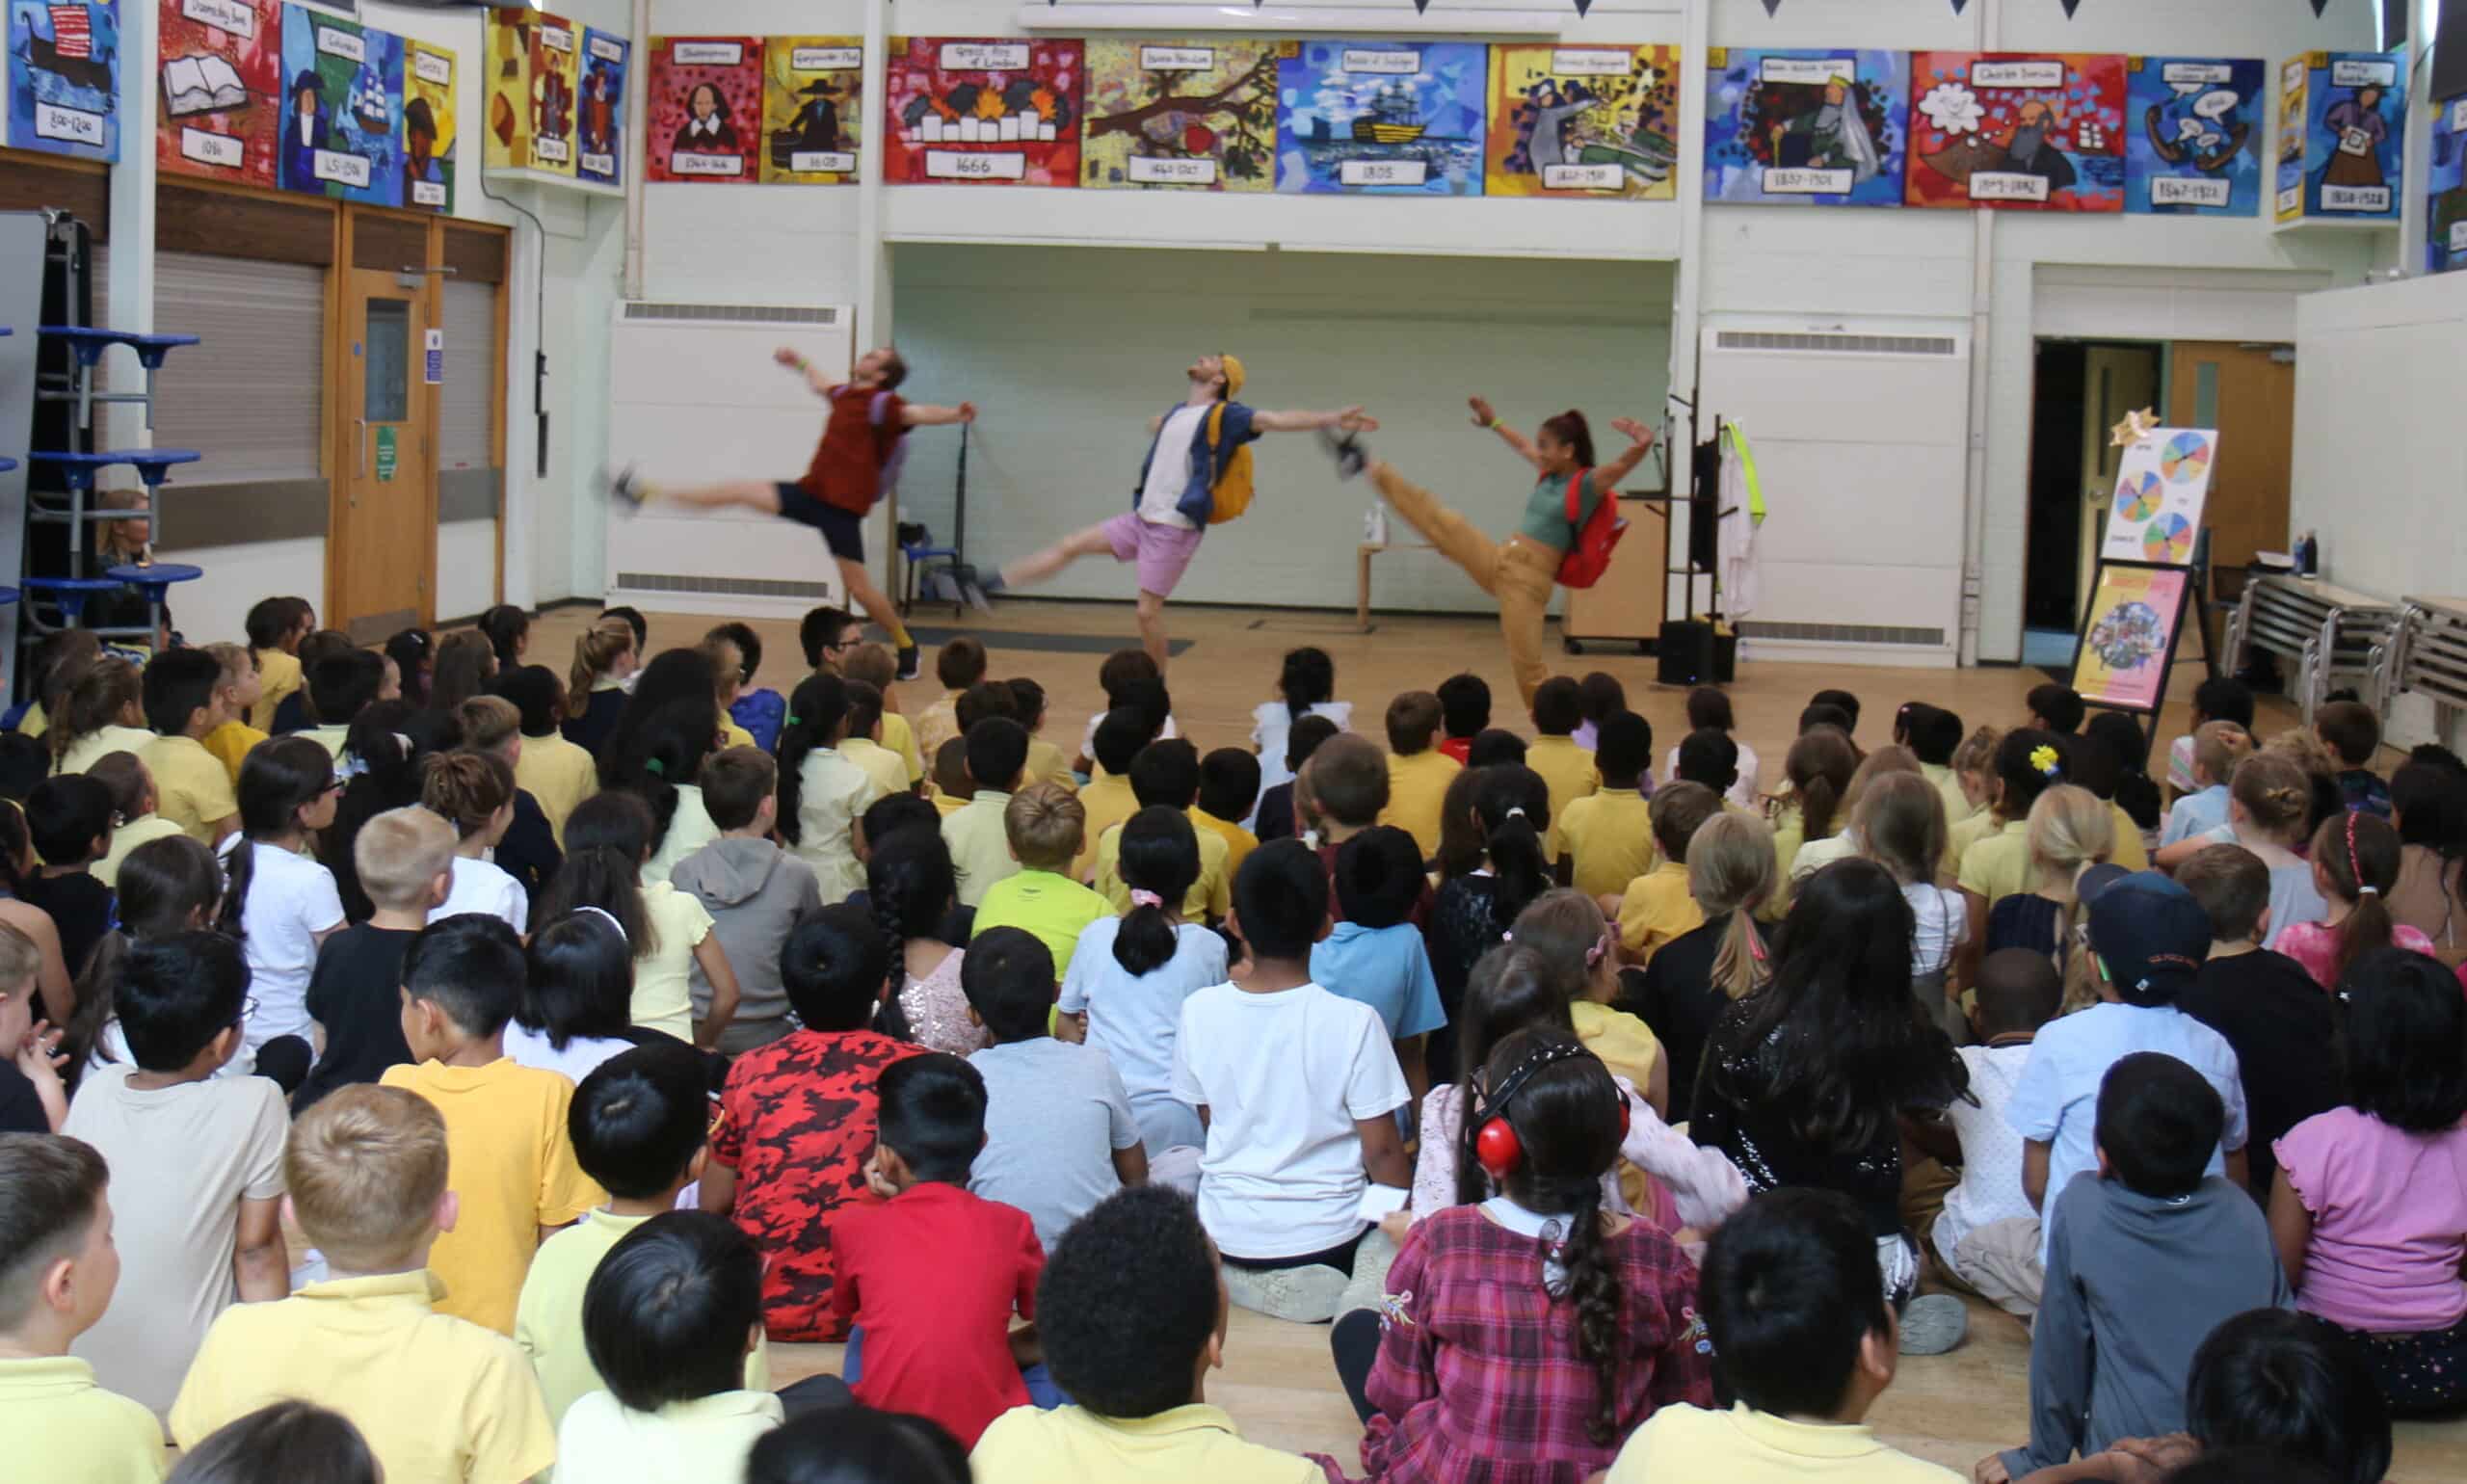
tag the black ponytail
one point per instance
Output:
(666, 749)
(387, 759)
(279, 780)
(163, 886)
(607, 838)
(817, 709)
(1159, 854)
(1309, 679)
(1515, 808)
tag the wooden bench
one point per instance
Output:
(1362, 556)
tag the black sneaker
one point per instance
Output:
(911, 663)
(1351, 452)
(626, 485)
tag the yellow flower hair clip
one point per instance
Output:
(2046, 761)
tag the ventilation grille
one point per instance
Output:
(1933, 346)
(734, 587)
(734, 314)
(1844, 633)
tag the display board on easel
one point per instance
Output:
(2135, 619)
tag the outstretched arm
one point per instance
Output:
(795, 360)
(920, 414)
(1484, 417)
(1348, 419)
(1608, 478)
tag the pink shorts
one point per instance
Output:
(1163, 552)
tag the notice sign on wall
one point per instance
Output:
(435, 342)
(389, 456)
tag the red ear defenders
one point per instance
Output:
(1492, 1139)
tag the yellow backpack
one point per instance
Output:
(1231, 497)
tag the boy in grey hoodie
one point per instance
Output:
(754, 891)
(2148, 1255)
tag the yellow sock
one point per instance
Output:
(898, 633)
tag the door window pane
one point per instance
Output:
(389, 361)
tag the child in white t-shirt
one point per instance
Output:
(474, 793)
(1295, 1086)
(1304, 688)
(282, 904)
(1988, 1234)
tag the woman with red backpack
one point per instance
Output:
(1564, 537)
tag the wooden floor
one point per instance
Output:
(1278, 1382)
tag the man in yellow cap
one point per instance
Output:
(1181, 485)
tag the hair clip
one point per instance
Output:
(607, 916)
(795, 721)
(2047, 761)
(1517, 812)
(654, 767)
(1144, 898)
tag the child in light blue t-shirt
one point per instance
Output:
(1376, 956)
(2217, 748)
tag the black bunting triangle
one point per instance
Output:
(2319, 6)
(1772, 6)
(2070, 6)
(1420, 5)
(1959, 6)
(1584, 6)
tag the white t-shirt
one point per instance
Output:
(1169, 468)
(291, 900)
(1088, 738)
(581, 1057)
(1135, 1020)
(483, 886)
(1272, 729)
(1285, 1077)
(1943, 922)
(1991, 1183)
(1742, 789)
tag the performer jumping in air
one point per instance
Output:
(856, 462)
(1196, 473)
(1522, 570)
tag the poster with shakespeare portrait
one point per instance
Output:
(2016, 131)
(220, 69)
(2446, 180)
(1806, 127)
(2162, 482)
(2128, 636)
(703, 118)
(983, 112)
(1580, 121)
(1180, 115)
(2193, 128)
(812, 113)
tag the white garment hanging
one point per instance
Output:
(1741, 516)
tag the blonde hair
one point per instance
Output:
(2218, 747)
(108, 688)
(869, 662)
(238, 662)
(1978, 752)
(728, 673)
(1046, 824)
(488, 723)
(365, 1169)
(2070, 827)
(20, 961)
(1891, 757)
(1567, 930)
(1900, 821)
(1730, 871)
(597, 651)
(2276, 794)
(466, 788)
(398, 853)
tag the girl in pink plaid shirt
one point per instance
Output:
(1526, 1335)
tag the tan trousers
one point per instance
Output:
(1999, 1261)
(1519, 571)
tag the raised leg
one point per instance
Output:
(1027, 571)
(1456, 538)
(749, 493)
(1523, 581)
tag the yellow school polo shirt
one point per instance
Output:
(1054, 910)
(1108, 802)
(2130, 852)
(1238, 842)
(1656, 909)
(95, 745)
(127, 837)
(232, 743)
(513, 1168)
(1998, 866)
(548, 1324)
(277, 677)
(436, 1397)
(1569, 771)
(1625, 1043)
(1610, 837)
(901, 738)
(948, 803)
(701, 1441)
(980, 846)
(1416, 786)
(34, 722)
(1948, 785)
(559, 774)
(52, 1411)
(1684, 1445)
(1047, 766)
(1789, 833)
(1209, 897)
(1189, 1444)
(887, 768)
(192, 789)
(733, 735)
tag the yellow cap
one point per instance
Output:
(1233, 375)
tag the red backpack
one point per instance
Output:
(1597, 536)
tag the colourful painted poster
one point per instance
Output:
(982, 111)
(1180, 116)
(1382, 117)
(2134, 612)
(2446, 214)
(2349, 160)
(2162, 484)
(222, 82)
(429, 134)
(812, 113)
(600, 122)
(2192, 136)
(1576, 122)
(1806, 128)
(704, 100)
(342, 117)
(64, 77)
(2016, 131)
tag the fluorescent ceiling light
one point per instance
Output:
(1286, 20)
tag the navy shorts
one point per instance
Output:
(843, 533)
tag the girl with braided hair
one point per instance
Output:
(911, 886)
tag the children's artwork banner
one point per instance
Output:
(2129, 638)
(2346, 159)
(813, 109)
(1180, 115)
(1806, 128)
(342, 115)
(983, 112)
(1576, 122)
(64, 77)
(704, 118)
(2162, 484)
(600, 117)
(2192, 136)
(2017, 131)
(2446, 214)
(429, 134)
(1382, 117)
(220, 75)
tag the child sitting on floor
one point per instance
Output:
(1604, 698)
(1419, 773)
(2352, 732)
(1166, 775)
(69, 819)
(184, 706)
(1229, 791)
(553, 770)
(1975, 775)
(1988, 1234)
(668, 931)
(1933, 735)
(821, 791)
(2355, 865)
(931, 1274)
(474, 793)
(1607, 839)
(997, 754)
(2217, 747)
(2070, 832)
(2218, 699)
(1306, 686)
(1043, 824)
(1709, 711)
(1695, 979)
(282, 904)
(2057, 709)
(2027, 763)
(1374, 954)
(958, 665)
(754, 893)
(1581, 947)
(2270, 804)
(864, 745)
(1275, 818)
(1546, 1127)
(1655, 908)
(134, 821)
(1465, 713)
(1559, 709)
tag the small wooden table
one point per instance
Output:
(1362, 556)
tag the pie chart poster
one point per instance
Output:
(2160, 487)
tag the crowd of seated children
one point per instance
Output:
(1606, 839)
(1696, 977)
(1709, 711)
(2269, 808)
(1042, 826)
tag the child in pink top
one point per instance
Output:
(2355, 862)
(2369, 1207)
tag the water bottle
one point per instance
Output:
(2308, 556)
(1375, 526)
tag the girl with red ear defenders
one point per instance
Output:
(1564, 1325)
